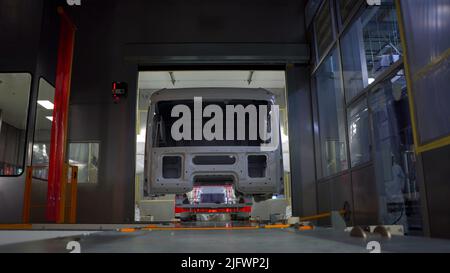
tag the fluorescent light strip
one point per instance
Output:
(46, 104)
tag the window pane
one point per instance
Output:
(354, 61)
(427, 31)
(14, 97)
(394, 155)
(358, 131)
(85, 157)
(432, 98)
(42, 131)
(331, 116)
(346, 7)
(381, 37)
(324, 29)
(371, 45)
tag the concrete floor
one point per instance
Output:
(228, 241)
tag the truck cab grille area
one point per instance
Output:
(257, 165)
(214, 160)
(171, 167)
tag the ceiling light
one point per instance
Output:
(49, 118)
(46, 104)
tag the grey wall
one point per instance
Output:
(303, 175)
(20, 25)
(365, 195)
(437, 189)
(357, 189)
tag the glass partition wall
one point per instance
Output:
(331, 116)
(362, 107)
(42, 131)
(14, 97)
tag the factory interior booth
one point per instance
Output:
(273, 123)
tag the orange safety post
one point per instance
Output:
(277, 226)
(73, 195)
(127, 230)
(320, 216)
(16, 227)
(303, 228)
(27, 196)
(62, 197)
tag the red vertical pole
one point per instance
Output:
(60, 113)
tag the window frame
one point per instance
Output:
(36, 111)
(89, 142)
(365, 95)
(30, 102)
(320, 171)
(334, 31)
(363, 98)
(421, 145)
(343, 25)
(340, 31)
(34, 127)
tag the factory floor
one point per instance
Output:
(258, 240)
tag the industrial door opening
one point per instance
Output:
(211, 178)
